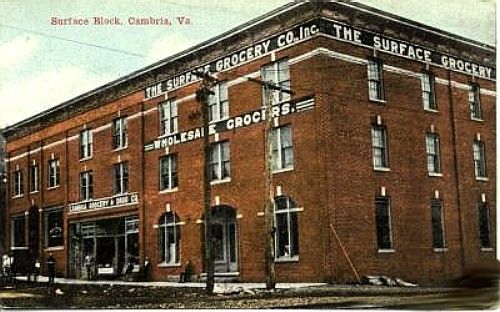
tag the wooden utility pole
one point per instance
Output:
(202, 97)
(270, 228)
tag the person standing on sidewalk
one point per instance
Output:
(51, 268)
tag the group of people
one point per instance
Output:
(9, 268)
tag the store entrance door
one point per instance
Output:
(224, 239)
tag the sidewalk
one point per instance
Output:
(45, 279)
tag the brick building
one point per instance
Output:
(383, 155)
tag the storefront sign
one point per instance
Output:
(108, 202)
(336, 30)
(231, 123)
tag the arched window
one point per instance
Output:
(169, 238)
(287, 228)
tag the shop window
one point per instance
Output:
(437, 224)
(379, 147)
(120, 134)
(168, 117)
(474, 101)
(282, 148)
(54, 172)
(168, 172)
(383, 222)
(54, 228)
(277, 73)
(85, 144)
(375, 80)
(219, 161)
(484, 225)
(169, 238)
(218, 103)
(287, 229)
(18, 228)
(433, 153)
(86, 185)
(428, 91)
(120, 178)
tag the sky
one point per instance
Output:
(43, 65)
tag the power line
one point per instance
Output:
(73, 41)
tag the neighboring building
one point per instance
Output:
(387, 146)
(3, 180)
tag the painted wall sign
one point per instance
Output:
(334, 29)
(232, 123)
(107, 202)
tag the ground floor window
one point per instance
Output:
(17, 227)
(437, 224)
(54, 228)
(287, 228)
(169, 238)
(383, 221)
(484, 226)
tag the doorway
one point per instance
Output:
(224, 239)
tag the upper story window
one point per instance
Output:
(169, 234)
(54, 173)
(282, 147)
(86, 185)
(479, 159)
(85, 144)
(120, 136)
(380, 147)
(428, 91)
(287, 228)
(484, 225)
(168, 172)
(279, 74)
(437, 224)
(219, 161)
(474, 101)
(383, 222)
(120, 178)
(34, 179)
(433, 153)
(376, 80)
(218, 103)
(18, 183)
(168, 117)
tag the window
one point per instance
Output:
(282, 147)
(219, 161)
(168, 172)
(168, 118)
(287, 228)
(17, 230)
(120, 133)
(428, 91)
(86, 185)
(54, 228)
(169, 238)
(279, 74)
(54, 172)
(85, 144)
(479, 160)
(375, 80)
(432, 149)
(437, 224)
(34, 178)
(474, 101)
(18, 183)
(484, 225)
(120, 178)
(383, 221)
(218, 103)
(379, 147)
